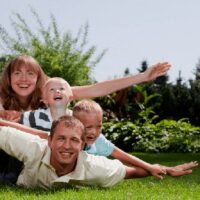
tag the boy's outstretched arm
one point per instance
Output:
(127, 159)
(24, 128)
(107, 87)
(137, 167)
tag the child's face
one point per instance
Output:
(92, 123)
(57, 93)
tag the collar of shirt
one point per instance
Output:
(46, 159)
(77, 174)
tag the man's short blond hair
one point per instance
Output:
(68, 122)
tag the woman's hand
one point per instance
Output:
(156, 70)
(10, 115)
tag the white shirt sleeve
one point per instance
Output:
(25, 147)
(102, 171)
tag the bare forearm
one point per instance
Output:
(135, 172)
(24, 128)
(107, 87)
(130, 160)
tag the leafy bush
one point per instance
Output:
(165, 136)
(59, 53)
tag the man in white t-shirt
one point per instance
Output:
(60, 159)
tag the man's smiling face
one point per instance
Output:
(65, 145)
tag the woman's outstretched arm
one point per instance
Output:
(107, 87)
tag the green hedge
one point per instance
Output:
(165, 136)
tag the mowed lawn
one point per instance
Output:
(183, 188)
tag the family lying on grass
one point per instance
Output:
(59, 146)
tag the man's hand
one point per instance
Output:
(158, 171)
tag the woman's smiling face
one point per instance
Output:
(23, 81)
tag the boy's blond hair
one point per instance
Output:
(87, 106)
(55, 79)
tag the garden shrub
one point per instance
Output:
(164, 136)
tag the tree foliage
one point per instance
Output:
(59, 54)
(173, 100)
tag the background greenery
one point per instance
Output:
(157, 116)
(59, 54)
(154, 117)
(164, 136)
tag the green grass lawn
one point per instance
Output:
(183, 188)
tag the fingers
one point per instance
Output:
(189, 171)
(191, 165)
(160, 177)
(157, 70)
(195, 163)
(2, 114)
(164, 63)
(162, 68)
(187, 166)
(10, 115)
(179, 170)
(181, 173)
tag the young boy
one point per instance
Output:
(56, 96)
